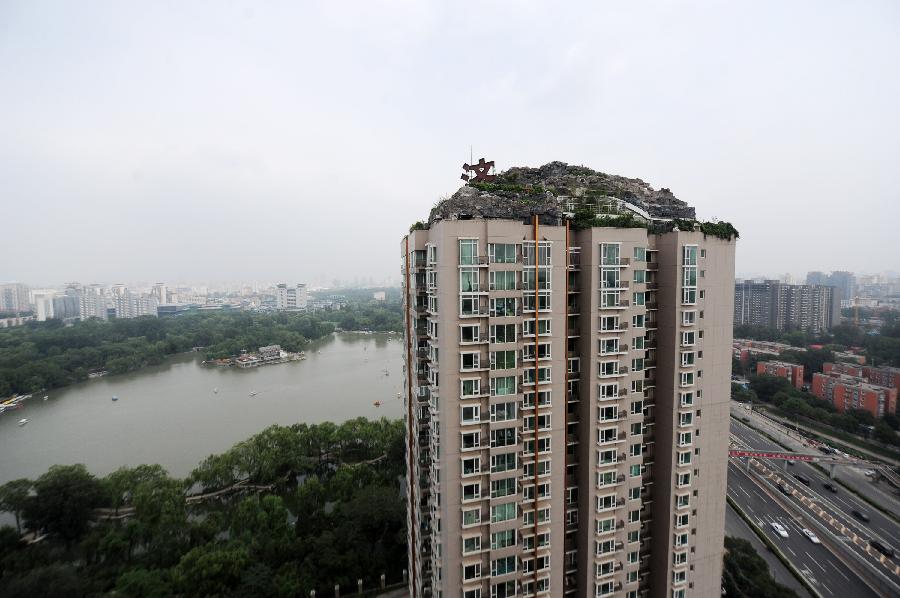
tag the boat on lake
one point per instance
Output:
(252, 393)
(23, 421)
(115, 398)
(377, 403)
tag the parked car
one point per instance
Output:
(802, 479)
(830, 487)
(784, 489)
(860, 515)
(779, 529)
(811, 535)
(882, 548)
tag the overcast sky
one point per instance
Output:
(199, 141)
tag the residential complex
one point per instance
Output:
(558, 381)
(290, 297)
(743, 348)
(791, 371)
(772, 304)
(879, 376)
(14, 298)
(852, 392)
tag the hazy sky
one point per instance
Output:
(263, 140)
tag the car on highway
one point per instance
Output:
(860, 515)
(830, 487)
(802, 479)
(779, 529)
(784, 489)
(811, 535)
(882, 548)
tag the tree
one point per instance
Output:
(14, 498)
(746, 575)
(211, 570)
(64, 500)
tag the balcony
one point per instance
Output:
(471, 288)
(652, 305)
(621, 327)
(610, 263)
(621, 371)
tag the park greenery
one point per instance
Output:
(746, 575)
(287, 511)
(43, 355)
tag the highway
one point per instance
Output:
(827, 573)
(826, 513)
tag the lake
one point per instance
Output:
(170, 414)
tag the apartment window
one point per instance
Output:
(606, 457)
(639, 298)
(606, 435)
(685, 438)
(609, 368)
(609, 278)
(679, 558)
(687, 399)
(471, 491)
(688, 317)
(504, 565)
(471, 572)
(637, 407)
(503, 385)
(470, 414)
(543, 327)
(504, 487)
(544, 468)
(634, 471)
(634, 450)
(468, 280)
(471, 440)
(608, 323)
(469, 333)
(640, 254)
(684, 458)
(543, 282)
(469, 361)
(609, 391)
(503, 437)
(502, 253)
(603, 569)
(543, 253)
(682, 520)
(543, 351)
(503, 306)
(544, 399)
(685, 419)
(503, 333)
(689, 253)
(683, 479)
(638, 342)
(679, 576)
(468, 305)
(504, 512)
(502, 589)
(471, 544)
(471, 466)
(609, 254)
(604, 547)
(471, 516)
(605, 503)
(604, 526)
(609, 298)
(638, 320)
(637, 429)
(469, 387)
(637, 364)
(682, 500)
(687, 358)
(606, 478)
(637, 386)
(688, 338)
(468, 252)
(503, 360)
(503, 462)
(609, 345)
(502, 280)
(681, 540)
(634, 493)
(503, 412)
(687, 378)
(543, 375)
(703, 294)
(640, 276)
(503, 539)
(606, 414)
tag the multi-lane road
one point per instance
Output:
(837, 565)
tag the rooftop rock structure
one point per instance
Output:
(556, 188)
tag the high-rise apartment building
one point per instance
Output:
(290, 297)
(567, 394)
(14, 298)
(773, 304)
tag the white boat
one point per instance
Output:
(215, 391)
(23, 421)
(253, 393)
(46, 397)
(115, 398)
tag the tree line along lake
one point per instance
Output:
(178, 413)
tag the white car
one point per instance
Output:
(811, 535)
(779, 529)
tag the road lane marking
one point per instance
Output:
(792, 552)
(815, 562)
(841, 573)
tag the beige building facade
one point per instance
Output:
(567, 401)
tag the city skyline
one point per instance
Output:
(179, 152)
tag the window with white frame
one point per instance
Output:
(469, 414)
(689, 317)
(469, 387)
(468, 252)
(470, 441)
(469, 361)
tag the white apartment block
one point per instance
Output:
(291, 297)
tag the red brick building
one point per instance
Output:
(792, 371)
(889, 377)
(846, 392)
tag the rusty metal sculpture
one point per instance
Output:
(481, 171)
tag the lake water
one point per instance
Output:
(171, 415)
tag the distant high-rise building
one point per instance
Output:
(42, 302)
(66, 307)
(290, 297)
(14, 298)
(770, 303)
(555, 380)
(845, 281)
(92, 302)
(160, 291)
(129, 304)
